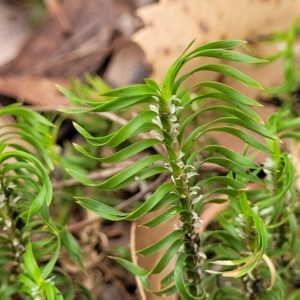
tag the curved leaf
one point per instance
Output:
(229, 92)
(232, 166)
(120, 177)
(167, 257)
(124, 153)
(225, 70)
(181, 283)
(164, 242)
(231, 155)
(164, 217)
(126, 131)
(229, 56)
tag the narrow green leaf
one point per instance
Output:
(69, 95)
(133, 268)
(161, 193)
(238, 114)
(231, 72)
(167, 280)
(124, 153)
(247, 138)
(100, 208)
(165, 201)
(121, 103)
(52, 261)
(72, 246)
(222, 44)
(49, 291)
(37, 204)
(131, 91)
(229, 91)
(225, 70)
(231, 155)
(164, 217)
(123, 133)
(142, 175)
(232, 166)
(181, 283)
(224, 181)
(167, 257)
(30, 264)
(152, 83)
(229, 55)
(120, 177)
(164, 242)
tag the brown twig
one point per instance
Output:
(58, 15)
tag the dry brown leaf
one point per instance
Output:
(35, 90)
(171, 25)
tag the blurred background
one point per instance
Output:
(112, 43)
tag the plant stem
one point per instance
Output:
(181, 177)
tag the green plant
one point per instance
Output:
(235, 261)
(30, 240)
